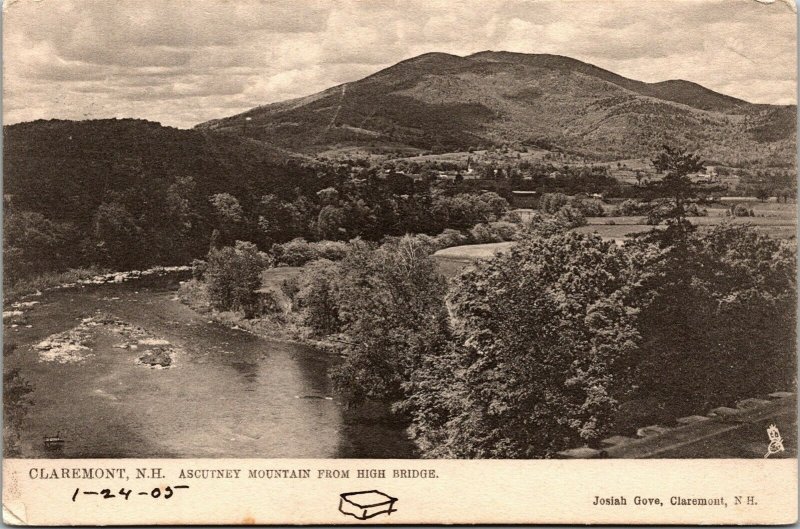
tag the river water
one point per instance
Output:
(229, 394)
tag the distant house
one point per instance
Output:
(707, 174)
(524, 199)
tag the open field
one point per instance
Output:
(276, 276)
(621, 232)
(452, 260)
(474, 251)
(778, 221)
(710, 220)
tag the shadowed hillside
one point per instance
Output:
(71, 188)
(65, 168)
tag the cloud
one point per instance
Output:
(181, 62)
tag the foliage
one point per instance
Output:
(227, 207)
(317, 297)
(194, 293)
(198, 269)
(632, 207)
(298, 252)
(570, 217)
(545, 225)
(389, 303)
(548, 333)
(740, 210)
(677, 164)
(721, 322)
(118, 237)
(498, 231)
(552, 202)
(449, 238)
(31, 244)
(464, 210)
(233, 275)
(589, 207)
(662, 209)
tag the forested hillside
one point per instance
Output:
(444, 102)
(127, 192)
(130, 193)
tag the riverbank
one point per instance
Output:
(283, 325)
(75, 277)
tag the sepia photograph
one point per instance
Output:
(381, 230)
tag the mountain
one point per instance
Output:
(441, 102)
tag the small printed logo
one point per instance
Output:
(775, 441)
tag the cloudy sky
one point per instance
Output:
(181, 62)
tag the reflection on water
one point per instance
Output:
(230, 394)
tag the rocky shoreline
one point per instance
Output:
(97, 279)
(282, 326)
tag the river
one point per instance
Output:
(229, 393)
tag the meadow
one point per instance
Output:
(778, 220)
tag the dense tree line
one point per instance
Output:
(154, 195)
(763, 184)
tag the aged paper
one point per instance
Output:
(345, 262)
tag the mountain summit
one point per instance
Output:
(439, 101)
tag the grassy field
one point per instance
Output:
(776, 220)
(452, 260)
(773, 219)
(619, 229)
(473, 251)
(273, 277)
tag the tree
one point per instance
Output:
(117, 236)
(331, 223)
(548, 333)
(278, 220)
(720, 322)
(317, 297)
(33, 244)
(677, 164)
(233, 276)
(227, 207)
(552, 202)
(762, 193)
(570, 216)
(390, 304)
(229, 217)
(170, 230)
